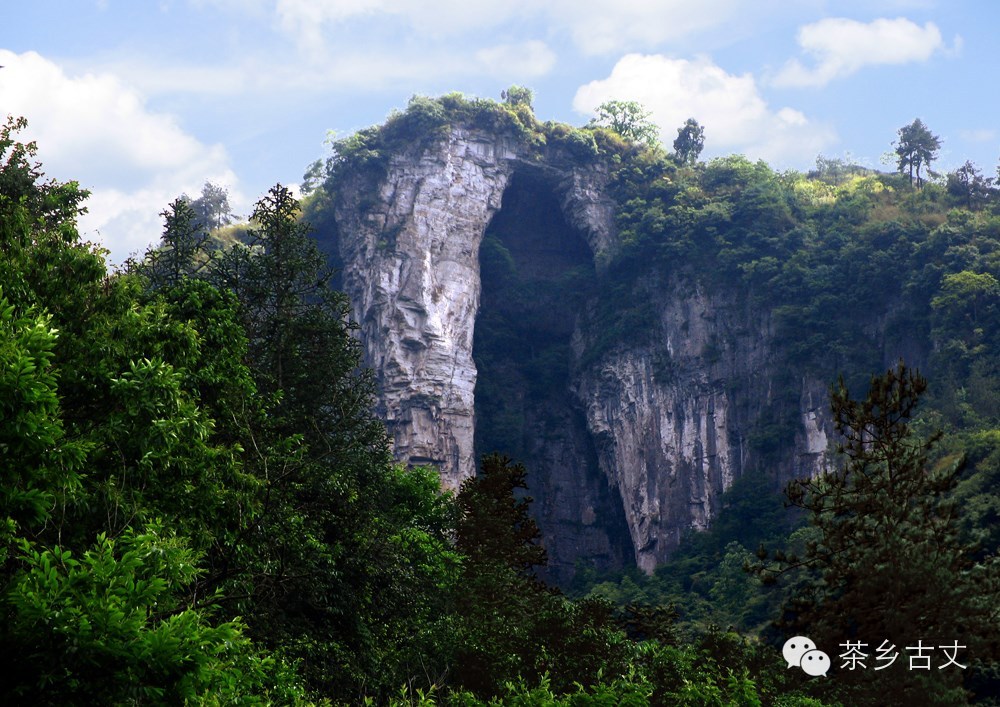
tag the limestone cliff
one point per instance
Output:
(411, 268)
(674, 420)
(412, 273)
(632, 447)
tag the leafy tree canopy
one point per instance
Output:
(689, 143)
(630, 120)
(916, 148)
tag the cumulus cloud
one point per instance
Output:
(735, 115)
(841, 47)
(594, 29)
(95, 129)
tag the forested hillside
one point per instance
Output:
(199, 504)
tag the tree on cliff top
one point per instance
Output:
(689, 143)
(630, 120)
(518, 96)
(916, 147)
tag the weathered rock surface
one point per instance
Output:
(671, 420)
(412, 272)
(411, 269)
(668, 423)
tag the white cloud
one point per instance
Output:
(735, 116)
(350, 68)
(594, 27)
(599, 27)
(375, 44)
(841, 47)
(157, 79)
(309, 20)
(95, 129)
(527, 59)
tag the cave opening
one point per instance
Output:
(537, 275)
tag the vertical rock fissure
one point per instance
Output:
(537, 273)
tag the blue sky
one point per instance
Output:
(141, 101)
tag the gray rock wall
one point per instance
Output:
(411, 269)
(673, 420)
(669, 419)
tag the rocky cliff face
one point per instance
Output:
(638, 445)
(674, 421)
(411, 268)
(412, 272)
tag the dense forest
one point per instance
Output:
(199, 506)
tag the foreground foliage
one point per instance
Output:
(197, 504)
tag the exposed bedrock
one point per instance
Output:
(625, 452)
(411, 268)
(676, 420)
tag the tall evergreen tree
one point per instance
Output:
(885, 562)
(689, 143)
(499, 597)
(181, 252)
(352, 554)
(916, 148)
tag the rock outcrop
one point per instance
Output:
(411, 269)
(673, 421)
(412, 273)
(650, 436)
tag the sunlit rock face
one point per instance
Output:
(411, 268)
(675, 421)
(640, 442)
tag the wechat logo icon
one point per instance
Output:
(801, 652)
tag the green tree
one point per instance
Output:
(350, 561)
(508, 625)
(499, 598)
(968, 298)
(518, 96)
(182, 250)
(969, 186)
(630, 120)
(494, 526)
(689, 143)
(40, 468)
(313, 177)
(212, 207)
(103, 435)
(886, 562)
(916, 148)
(152, 495)
(965, 313)
(300, 334)
(111, 625)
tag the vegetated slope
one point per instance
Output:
(178, 455)
(707, 325)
